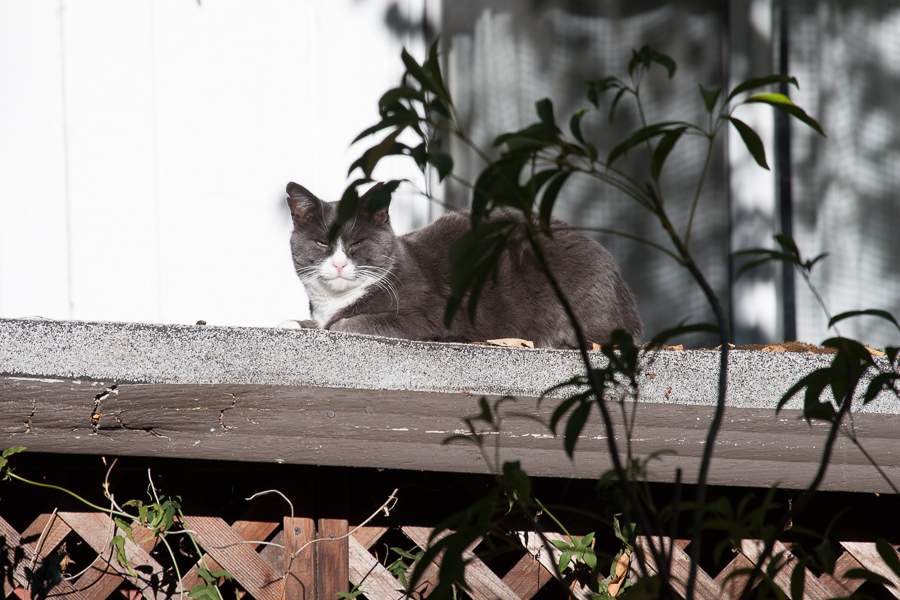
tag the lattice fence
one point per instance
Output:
(265, 571)
(314, 538)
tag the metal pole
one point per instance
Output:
(783, 177)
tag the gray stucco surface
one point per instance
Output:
(133, 352)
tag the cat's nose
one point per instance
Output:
(339, 262)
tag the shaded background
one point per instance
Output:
(144, 147)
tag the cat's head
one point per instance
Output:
(361, 254)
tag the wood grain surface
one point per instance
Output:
(407, 430)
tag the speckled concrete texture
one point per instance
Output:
(133, 352)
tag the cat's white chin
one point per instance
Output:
(341, 284)
(328, 296)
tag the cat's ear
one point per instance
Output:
(303, 203)
(375, 204)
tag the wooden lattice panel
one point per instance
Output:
(236, 547)
(322, 532)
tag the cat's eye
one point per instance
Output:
(321, 244)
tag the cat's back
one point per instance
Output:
(522, 303)
(447, 228)
(430, 245)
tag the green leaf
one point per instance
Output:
(402, 120)
(203, 591)
(752, 141)
(574, 426)
(888, 555)
(13, 450)
(870, 576)
(425, 77)
(788, 244)
(625, 532)
(872, 312)
(564, 560)
(403, 553)
(598, 87)
(533, 137)
(517, 480)
(638, 137)
(437, 105)
(758, 82)
(710, 97)
(548, 200)
(420, 155)
(663, 148)
(564, 407)
(433, 66)
(646, 56)
(118, 542)
(522, 143)
(544, 109)
(783, 103)
(474, 258)
(498, 186)
(386, 147)
(442, 162)
(879, 383)
(4, 460)
(390, 100)
(575, 125)
(814, 383)
(798, 580)
(612, 107)
(767, 256)
(561, 544)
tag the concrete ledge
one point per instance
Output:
(134, 352)
(317, 397)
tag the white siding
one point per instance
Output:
(144, 149)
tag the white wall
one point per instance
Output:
(145, 146)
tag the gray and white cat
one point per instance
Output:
(368, 280)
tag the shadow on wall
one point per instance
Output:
(505, 56)
(845, 187)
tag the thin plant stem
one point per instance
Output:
(108, 511)
(696, 201)
(596, 388)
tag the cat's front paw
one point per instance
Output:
(293, 324)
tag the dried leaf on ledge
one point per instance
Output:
(511, 343)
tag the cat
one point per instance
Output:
(370, 281)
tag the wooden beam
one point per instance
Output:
(299, 534)
(332, 554)
(406, 430)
